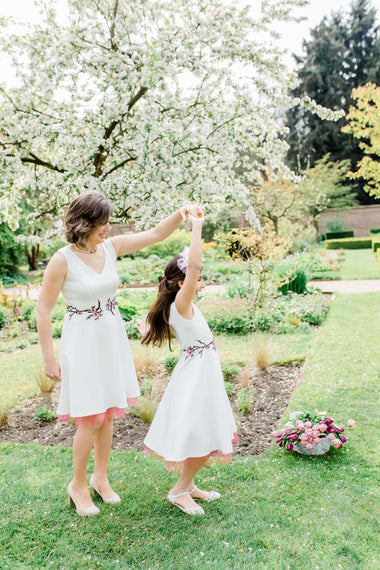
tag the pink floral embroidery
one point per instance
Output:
(190, 351)
(93, 313)
(111, 305)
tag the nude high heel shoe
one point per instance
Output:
(114, 500)
(83, 511)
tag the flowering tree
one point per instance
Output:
(147, 102)
(364, 124)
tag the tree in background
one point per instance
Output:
(364, 125)
(323, 187)
(143, 101)
(344, 53)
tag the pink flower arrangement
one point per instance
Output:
(309, 429)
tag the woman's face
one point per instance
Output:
(98, 234)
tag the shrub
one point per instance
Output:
(375, 244)
(229, 370)
(338, 235)
(170, 362)
(230, 388)
(374, 231)
(27, 308)
(43, 414)
(349, 243)
(245, 400)
(293, 280)
(57, 327)
(169, 247)
(4, 317)
(231, 316)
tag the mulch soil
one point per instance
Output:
(272, 390)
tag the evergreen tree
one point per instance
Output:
(344, 53)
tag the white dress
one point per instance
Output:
(98, 373)
(194, 417)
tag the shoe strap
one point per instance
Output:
(192, 490)
(179, 494)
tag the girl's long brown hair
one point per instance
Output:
(158, 316)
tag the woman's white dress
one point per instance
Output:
(194, 417)
(98, 373)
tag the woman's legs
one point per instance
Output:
(102, 451)
(83, 442)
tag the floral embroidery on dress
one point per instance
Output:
(93, 313)
(111, 305)
(190, 351)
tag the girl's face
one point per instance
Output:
(200, 285)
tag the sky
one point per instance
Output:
(292, 33)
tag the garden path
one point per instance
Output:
(348, 285)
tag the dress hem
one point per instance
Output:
(99, 419)
(212, 457)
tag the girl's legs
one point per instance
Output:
(102, 451)
(186, 481)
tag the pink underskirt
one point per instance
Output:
(99, 419)
(212, 458)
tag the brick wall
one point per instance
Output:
(360, 219)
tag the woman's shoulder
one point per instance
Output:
(109, 247)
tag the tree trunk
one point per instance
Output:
(32, 256)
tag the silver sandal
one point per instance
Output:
(212, 495)
(188, 510)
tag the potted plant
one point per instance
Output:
(311, 433)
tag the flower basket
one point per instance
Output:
(318, 449)
(311, 433)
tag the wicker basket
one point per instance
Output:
(318, 449)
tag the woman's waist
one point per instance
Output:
(197, 347)
(94, 309)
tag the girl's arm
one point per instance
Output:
(186, 294)
(129, 243)
(54, 277)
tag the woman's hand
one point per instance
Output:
(53, 370)
(194, 210)
(142, 326)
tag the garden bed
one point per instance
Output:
(272, 390)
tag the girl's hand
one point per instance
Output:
(197, 218)
(53, 370)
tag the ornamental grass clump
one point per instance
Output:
(309, 429)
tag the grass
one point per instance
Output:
(360, 264)
(278, 510)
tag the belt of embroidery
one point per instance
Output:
(194, 349)
(95, 312)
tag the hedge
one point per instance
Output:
(375, 244)
(336, 235)
(349, 243)
(374, 231)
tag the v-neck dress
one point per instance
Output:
(97, 369)
(194, 417)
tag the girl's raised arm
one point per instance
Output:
(186, 294)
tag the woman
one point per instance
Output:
(95, 362)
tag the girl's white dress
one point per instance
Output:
(98, 373)
(194, 417)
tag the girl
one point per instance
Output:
(95, 364)
(194, 422)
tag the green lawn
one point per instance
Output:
(278, 510)
(360, 264)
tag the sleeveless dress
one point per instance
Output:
(97, 369)
(194, 417)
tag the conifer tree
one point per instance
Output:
(344, 53)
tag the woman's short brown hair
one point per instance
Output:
(85, 212)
